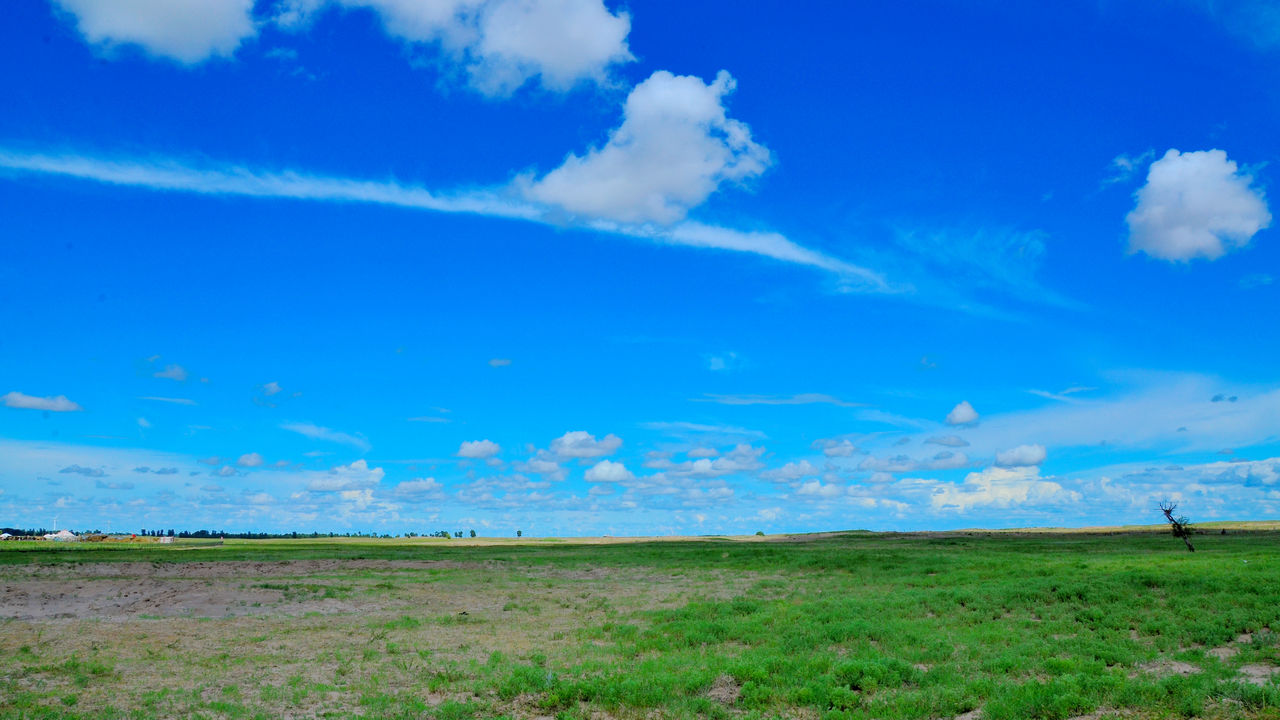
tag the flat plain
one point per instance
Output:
(974, 624)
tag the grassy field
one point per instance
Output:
(851, 625)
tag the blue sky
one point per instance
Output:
(575, 267)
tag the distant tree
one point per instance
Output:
(473, 533)
(1180, 525)
(519, 533)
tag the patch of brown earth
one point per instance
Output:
(725, 690)
(1258, 674)
(1166, 668)
(1223, 653)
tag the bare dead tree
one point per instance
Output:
(1180, 525)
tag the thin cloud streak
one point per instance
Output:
(800, 399)
(168, 174)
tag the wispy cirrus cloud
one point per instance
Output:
(316, 432)
(170, 400)
(173, 175)
(800, 399)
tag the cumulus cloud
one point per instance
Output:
(104, 485)
(791, 472)
(742, 458)
(172, 371)
(703, 452)
(188, 31)
(832, 447)
(945, 460)
(1021, 456)
(1002, 488)
(500, 44)
(55, 403)
(156, 471)
(316, 432)
(543, 463)
(478, 449)
(582, 444)
(249, 460)
(608, 471)
(674, 148)
(85, 471)
(271, 388)
(499, 362)
(1195, 205)
(347, 478)
(962, 414)
(954, 441)
(420, 489)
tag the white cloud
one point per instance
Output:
(1195, 204)
(800, 399)
(249, 460)
(172, 372)
(962, 414)
(742, 458)
(675, 147)
(543, 463)
(703, 452)
(355, 477)
(725, 361)
(1002, 488)
(85, 471)
(188, 31)
(420, 489)
(170, 400)
(816, 489)
(791, 472)
(144, 423)
(608, 471)
(271, 388)
(689, 428)
(581, 444)
(499, 362)
(200, 178)
(55, 403)
(501, 44)
(478, 449)
(316, 432)
(945, 460)
(1021, 456)
(1124, 167)
(954, 441)
(831, 447)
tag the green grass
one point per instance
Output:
(861, 625)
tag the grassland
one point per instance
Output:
(851, 625)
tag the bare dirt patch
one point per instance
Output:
(1258, 674)
(1167, 668)
(725, 690)
(138, 597)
